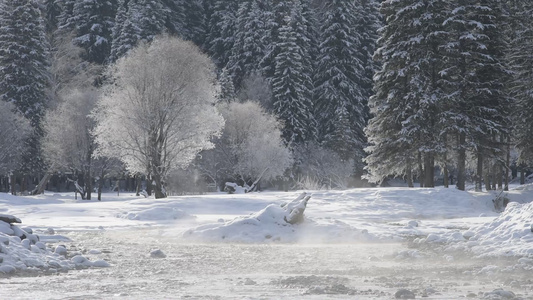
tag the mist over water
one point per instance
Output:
(266, 271)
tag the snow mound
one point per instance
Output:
(509, 234)
(156, 214)
(270, 225)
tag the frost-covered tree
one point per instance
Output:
(337, 82)
(159, 111)
(67, 68)
(255, 87)
(15, 129)
(318, 167)
(251, 144)
(68, 144)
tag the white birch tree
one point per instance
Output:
(158, 112)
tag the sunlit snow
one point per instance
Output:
(454, 222)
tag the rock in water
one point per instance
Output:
(404, 294)
(9, 219)
(157, 254)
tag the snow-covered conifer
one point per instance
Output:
(522, 83)
(291, 83)
(249, 45)
(220, 33)
(476, 75)
(136, 21)
(24, 63)
(404, 132)
(337, 79)
(94, 22)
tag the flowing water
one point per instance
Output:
(274, 271)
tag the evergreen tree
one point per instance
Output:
(405, 129)
(52, 11)
(23, 59)
(194, 28)
(522, 83)
(476, 76)
(337, 80)
(290, 85)
(367, 24)
(174, 18)
(274, 18)
(221, 28)
(24, 77)
(249, 45)
(94, 23)
(136, 21)
(65, 20)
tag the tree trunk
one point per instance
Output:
(446, 182)
(421, 177)
(429, 170)
(39, 189)
(507, 164)
(461, 163)
(100, 187)
(158, 189)
(137, 185)
(23, 184)
(487, 179)
(522, 174)
(88, 185)
(149, 185)
(12, 183)
(409, 174)
(479, 172)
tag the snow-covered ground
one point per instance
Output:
(371, 243)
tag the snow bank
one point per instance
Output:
(156, 214)
(510, 234)
(269, 225)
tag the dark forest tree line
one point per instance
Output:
(398, 88)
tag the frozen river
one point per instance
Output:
(273, 271)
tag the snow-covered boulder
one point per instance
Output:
(21, 249)
(157, 253)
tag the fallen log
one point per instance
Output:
(295, 209)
